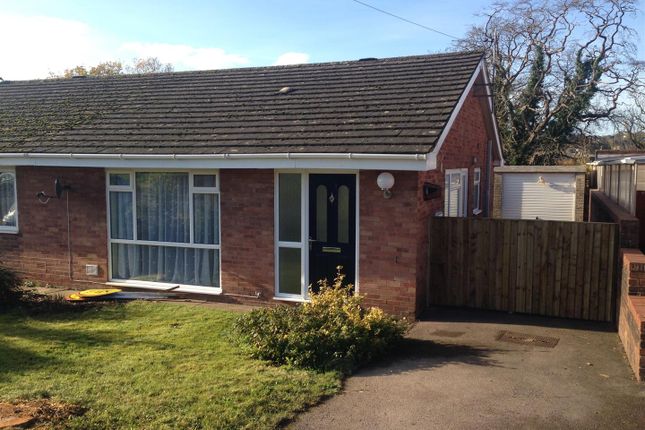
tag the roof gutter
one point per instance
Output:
(228, 160)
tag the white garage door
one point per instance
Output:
(549, 196)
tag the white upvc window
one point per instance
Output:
(291, 227)
(8, 201)
(477, 191)
(164, 229)
(455, 193)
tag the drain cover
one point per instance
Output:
(527, 339)
(448, 333)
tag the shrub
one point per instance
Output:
(333, 331)
(10, 288)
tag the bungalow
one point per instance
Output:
(245, 184)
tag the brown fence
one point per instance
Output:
(562, 269)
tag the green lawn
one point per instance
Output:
(150, 365)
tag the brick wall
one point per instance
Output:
(40, 249)
(388, 240)
(602, 209)
(631, 310)
(464, 147)
(247, 232)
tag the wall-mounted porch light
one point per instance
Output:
(385, 182)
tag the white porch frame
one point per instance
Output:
(303, 245)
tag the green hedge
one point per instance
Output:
(333, 331)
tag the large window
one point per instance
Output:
(8, 202)
(164, 227)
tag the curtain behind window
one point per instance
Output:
(163, 215)
(7, 200)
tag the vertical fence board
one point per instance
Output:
(554, 268)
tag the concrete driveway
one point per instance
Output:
(453, 373)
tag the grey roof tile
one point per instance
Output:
(393, 105)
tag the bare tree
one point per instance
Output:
(629, 119)
(149, 65)
(559, 69)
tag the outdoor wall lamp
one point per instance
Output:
(385, 182)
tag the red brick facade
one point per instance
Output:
(40, 250)
(247, 232)
(392, 237)
(465, 146)
(631, 310)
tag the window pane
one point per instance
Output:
(120, 179)
(206, 218)
(204, 181)
(289, 207)
(289, 265)
(121, 215)
(163, 214)
(167, 264)
(8, 207)
(321, 213)
(343, 214)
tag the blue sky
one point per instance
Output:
(39, 36)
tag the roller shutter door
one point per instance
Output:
(525, 196)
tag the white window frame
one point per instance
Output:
(477, 179)
(11, 229)
(192, 191)
(303, 244)
(463, 210)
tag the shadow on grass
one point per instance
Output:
(419, 354)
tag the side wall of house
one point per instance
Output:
(465, 146)
(388, 238)
(41, 250)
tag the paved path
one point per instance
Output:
(454, 374)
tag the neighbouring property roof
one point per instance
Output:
(387, 106)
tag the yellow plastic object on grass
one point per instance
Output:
(74, 298)
(98, 293)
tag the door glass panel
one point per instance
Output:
(289, 264)
(321, 213)
(343, 214)
(289, 201)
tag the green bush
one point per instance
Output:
(10, 288)
(333, 331)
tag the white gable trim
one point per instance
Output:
(481, 69)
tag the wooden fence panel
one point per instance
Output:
(553, 268)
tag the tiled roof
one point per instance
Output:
(388, 106)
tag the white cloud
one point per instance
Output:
(292, 58)
(182, 57)
(32, 46)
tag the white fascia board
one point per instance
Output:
(354, 161)
(481, 69)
